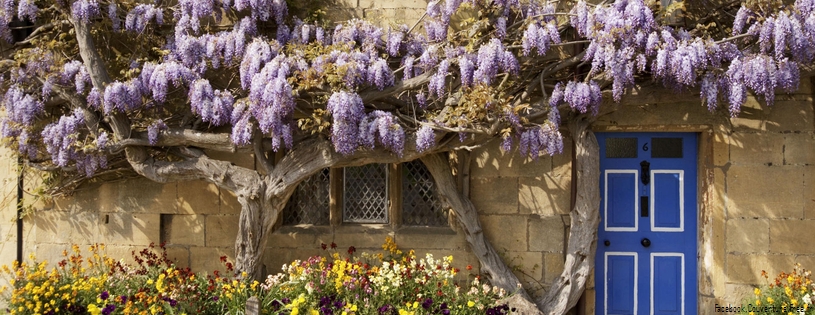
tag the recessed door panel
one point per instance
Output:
(621, 200)
(621, 283)
(667, 202)
(667, 283)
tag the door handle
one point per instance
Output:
(646, 172)
(607, 242)
(645, 242)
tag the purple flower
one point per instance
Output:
(436, 30)
(104, 295)
(466, 68)
(788, 75)
(436, 85)
(113, 15)
(257, 54)
(489, 59)
(153, 130)
(782, 31)
(108, 309)
(428, 302)
(101, 144)
(379, 74)
(425, 138)
(737, 95)
(741, 18)
(580, 18)
(242, 130)
(21, 108)
(27, 10)
(394, 42)
(501, 27)
(421, 98)
(84, 10)
(142, 14)
(766, 34)
(709, 91)
(347, 110)
(506, 143)
(407, 62)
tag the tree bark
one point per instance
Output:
(585, 217)
(253, 229)
(494, 268)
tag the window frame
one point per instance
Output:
(394, 203)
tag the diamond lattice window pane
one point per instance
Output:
(365, 194)
(309, 202)
(420, 201)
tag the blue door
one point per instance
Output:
(646, 251)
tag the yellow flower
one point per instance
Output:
(770, 300)
(295, 311)
(757, 291)
(94, 310)
(314, 312)
(794, 302)
(470, 303)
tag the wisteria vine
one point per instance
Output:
(273, 74)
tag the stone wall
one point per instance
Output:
(523, 206)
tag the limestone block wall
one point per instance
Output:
(196, 221)
(523, 206)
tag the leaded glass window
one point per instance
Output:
(621, 147)
(420, 202)
(309, 204)
(365, 194)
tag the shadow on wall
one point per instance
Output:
(764, 168)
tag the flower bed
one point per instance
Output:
(788, 293)
(392, 283)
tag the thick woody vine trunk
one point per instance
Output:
(498, 273)
(256, 221)
(585, 216)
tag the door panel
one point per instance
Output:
(667, 191)
(646, 255)
(621, 200)
(621, 282)
(667, 283)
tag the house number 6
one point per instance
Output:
(645, 147)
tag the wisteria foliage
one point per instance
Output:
(262, 71)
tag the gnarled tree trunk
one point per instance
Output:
(585, 216)
(252, 232)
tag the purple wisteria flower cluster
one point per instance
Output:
(138, 18)
(540, 139)
(348, 111)
(85, 10)
(580, 96)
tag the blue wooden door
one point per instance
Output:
(646, 251)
